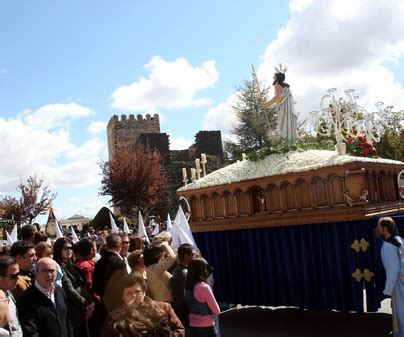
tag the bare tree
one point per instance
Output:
(134, 178)
(35, 199)
(10, 208)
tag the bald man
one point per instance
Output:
(43, 308)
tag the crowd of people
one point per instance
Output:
(105, 285)
(121, 285)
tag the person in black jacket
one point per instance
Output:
(109, 264)
(78, 298)
(42, 309)
(186, 253)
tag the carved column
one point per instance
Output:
(212, 205)
(282, 197)
(313, 198)
(225, 210)
(235, 200)
(268, 202)
(295, 196)
(248, 196)
(328, 192)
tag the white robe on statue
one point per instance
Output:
(287, 119)
(393, 262)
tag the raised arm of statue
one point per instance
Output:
(274, 100)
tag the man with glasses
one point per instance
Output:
(9, 272)
(125, 250)
(24, 252)
(43, 308)
(125, 245)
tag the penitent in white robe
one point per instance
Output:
(287, 119)
(393, 262)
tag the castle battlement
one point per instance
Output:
(122, 119)
(127, 129)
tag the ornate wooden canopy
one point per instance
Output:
(352, 191)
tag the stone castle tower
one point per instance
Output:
(127, 130)
(146, 130)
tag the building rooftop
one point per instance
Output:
(76, 217)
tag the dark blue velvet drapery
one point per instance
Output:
(308, 266)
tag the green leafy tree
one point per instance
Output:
(256, 127)
(391, 144)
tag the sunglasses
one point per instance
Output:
(68, 248)
(12, 277)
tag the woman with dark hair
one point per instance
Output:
(79, 299)
(287, 119)
(136, 242)
(88, 249)
(200, 299)
(139, 315)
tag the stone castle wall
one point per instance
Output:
(127, 129)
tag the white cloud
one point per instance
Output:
(152, 112)
(53, 115)
(73, 200)
(87, 205)
(299, 5)
(170, 85)
(73, 98)
(89, 150)
(77, 173)
(179, 143)
(222, 117)
(97, 127)
(334, 43)
(92, 205)
(343, 44)
(32, 149)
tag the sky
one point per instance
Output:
(66, 67)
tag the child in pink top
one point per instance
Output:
(200, 299)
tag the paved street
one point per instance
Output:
(291, 322)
